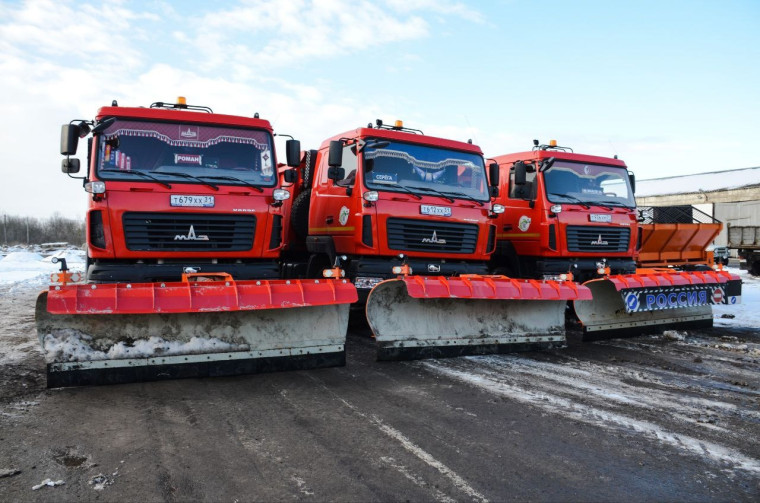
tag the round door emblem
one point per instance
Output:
(343, 215)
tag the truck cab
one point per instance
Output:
(179, 189)
(387, 196)
(565, 213)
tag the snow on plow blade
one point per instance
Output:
(116, 333)
(433, 316)
(651, 298)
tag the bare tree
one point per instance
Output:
(29, 230)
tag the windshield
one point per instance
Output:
(186, 153)
(573, 182)
(404, 167)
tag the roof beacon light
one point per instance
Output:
(398, 124)
(181, 100)
(552, 143)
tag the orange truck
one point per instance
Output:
(411, 220)
(186, 223)
(572, 215)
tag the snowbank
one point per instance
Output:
(747, 314)
(30, 268)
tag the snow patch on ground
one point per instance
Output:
(593, 395)
(746, 314)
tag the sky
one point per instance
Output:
(672, 87)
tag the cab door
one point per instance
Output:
(520, 224)
(336, 206)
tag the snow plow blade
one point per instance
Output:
(118, 333)
(654, 299)
(432, 316)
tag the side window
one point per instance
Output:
(527, 191)
(349, 167)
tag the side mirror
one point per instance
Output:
(632, 179)
(290, 176)
(293, 153)
(70, 134)
(336, 173)
(335, 157)
(493, 174)
(70, 165)
(520, 173)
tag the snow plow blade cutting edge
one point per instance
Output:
(430, 316)
(118, 333)
(625, 305)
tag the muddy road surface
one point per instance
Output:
(671, 417)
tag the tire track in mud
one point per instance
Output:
(671, 408)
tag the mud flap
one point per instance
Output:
(430, 317)
(103, 339)
(629, 305)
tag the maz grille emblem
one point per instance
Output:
(434, 239)
(599, 241)
(434, 268)
(191, 236)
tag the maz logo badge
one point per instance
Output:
(434, 239)
(191, 236)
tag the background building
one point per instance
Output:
(731, 196)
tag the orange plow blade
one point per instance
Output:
(114, 333)
(434, 316)
(654, 298)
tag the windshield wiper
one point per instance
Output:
(572, 199)
(139, 173)
(436, 192)
(192, 177)
(235, 179)
(616, 204)
(464, 196)
(404, 188)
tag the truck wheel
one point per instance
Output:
(755, 268)
(299, 214)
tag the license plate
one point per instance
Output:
(197, 201)
(594, 217)
(441, 211)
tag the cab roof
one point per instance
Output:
(406, 137)
(174, 115)
(557, 154)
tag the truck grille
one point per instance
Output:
(188, 232)
(598, 239)
(439, 237)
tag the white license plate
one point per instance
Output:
(197, 201)
(600, 218)
(441, 211)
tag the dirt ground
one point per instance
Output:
(672, 417)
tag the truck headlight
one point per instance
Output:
(280, 194)
(95, 187)
(371, 196)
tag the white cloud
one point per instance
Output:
(279, 33)
(62, 60)
(441, 8)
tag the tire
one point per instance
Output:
(299, 214)
(754, 269)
